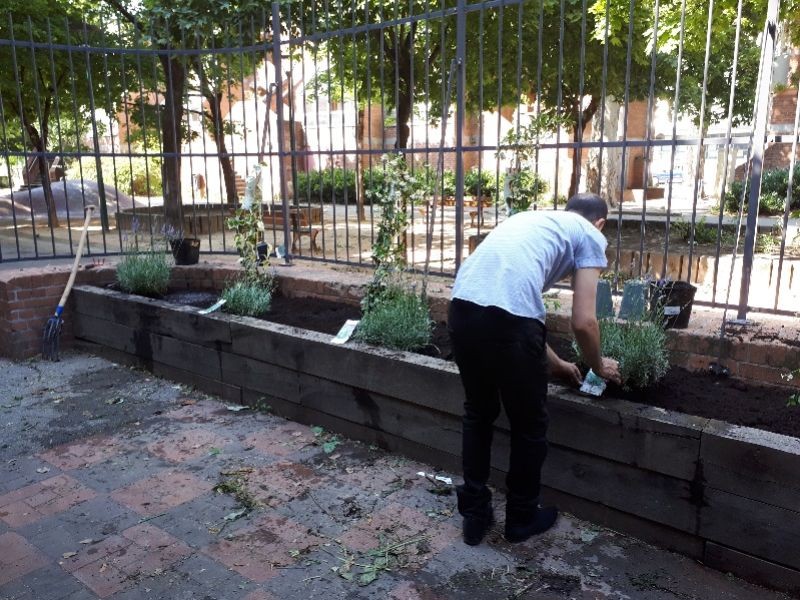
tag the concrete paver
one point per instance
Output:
(116, 484)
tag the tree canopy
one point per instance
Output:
(46, 97)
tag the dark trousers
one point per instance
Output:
(502, 359)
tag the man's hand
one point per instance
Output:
(610, 370)
(569, 372)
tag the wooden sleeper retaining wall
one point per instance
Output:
(722, 494)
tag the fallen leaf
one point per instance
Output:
(103, 567)
(214, 451)
(330, 446)
(43, 470)
(235, 514)
(236, 408)
(116, 400)
(188, 402)
(68, 554)
(86, 541)
(367, 577)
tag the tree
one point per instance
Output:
(198, 26)
(217, 73)
(48, 93)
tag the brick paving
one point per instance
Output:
(179, 497)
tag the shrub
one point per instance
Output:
(448, 184)
(398, 319)
(774, 185)
(144, 272)
(704, 233)
(328, 185)
(639, 346)
(247, 298)
(479, 182)
(525, 188)
(138, 175)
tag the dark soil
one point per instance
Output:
(695, 393)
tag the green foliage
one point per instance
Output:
(704, 233)
(136, 176)
(398, 318)
(144, 272)
(525, 188)
(639, 346)
(248, 298)
(479, 182)
(794, 399)
(329, 185)
(395, 192)
(768, 243)
(247, 224)
(774, 185)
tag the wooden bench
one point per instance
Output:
(299, 226)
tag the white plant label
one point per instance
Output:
(345, 332)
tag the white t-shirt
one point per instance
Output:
(526, 255)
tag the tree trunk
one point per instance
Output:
(405, 94)
(603, 178)
(361, 116)
(578, 129)
(215, 116)
(39, 146)
(172, 120)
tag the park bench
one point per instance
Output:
(299, 225)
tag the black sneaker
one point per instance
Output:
(476, 528)
(543, 519)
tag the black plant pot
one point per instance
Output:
(186, 251)
(262, 249)
(673, 301)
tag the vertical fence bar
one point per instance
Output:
(759, 137)
(276, 61)
(461, 50)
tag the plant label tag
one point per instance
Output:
(216, 306)
(671, 311)
(345, 332)
(594, 385)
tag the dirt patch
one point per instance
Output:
(695, 393)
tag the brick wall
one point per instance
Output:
(776, 156)
(783, 107)
(28, 297)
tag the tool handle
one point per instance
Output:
(81, 244)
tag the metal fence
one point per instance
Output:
(683, 115)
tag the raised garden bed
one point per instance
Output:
(717, 492)
(700, 394)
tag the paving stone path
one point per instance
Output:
(117, 484)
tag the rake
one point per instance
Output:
(52, 329)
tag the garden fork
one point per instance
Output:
(52, 329)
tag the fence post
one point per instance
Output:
(759, 140)
(461, 49)
(276, 61)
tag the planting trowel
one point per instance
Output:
(593, 384)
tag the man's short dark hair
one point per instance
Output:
(589, 206)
